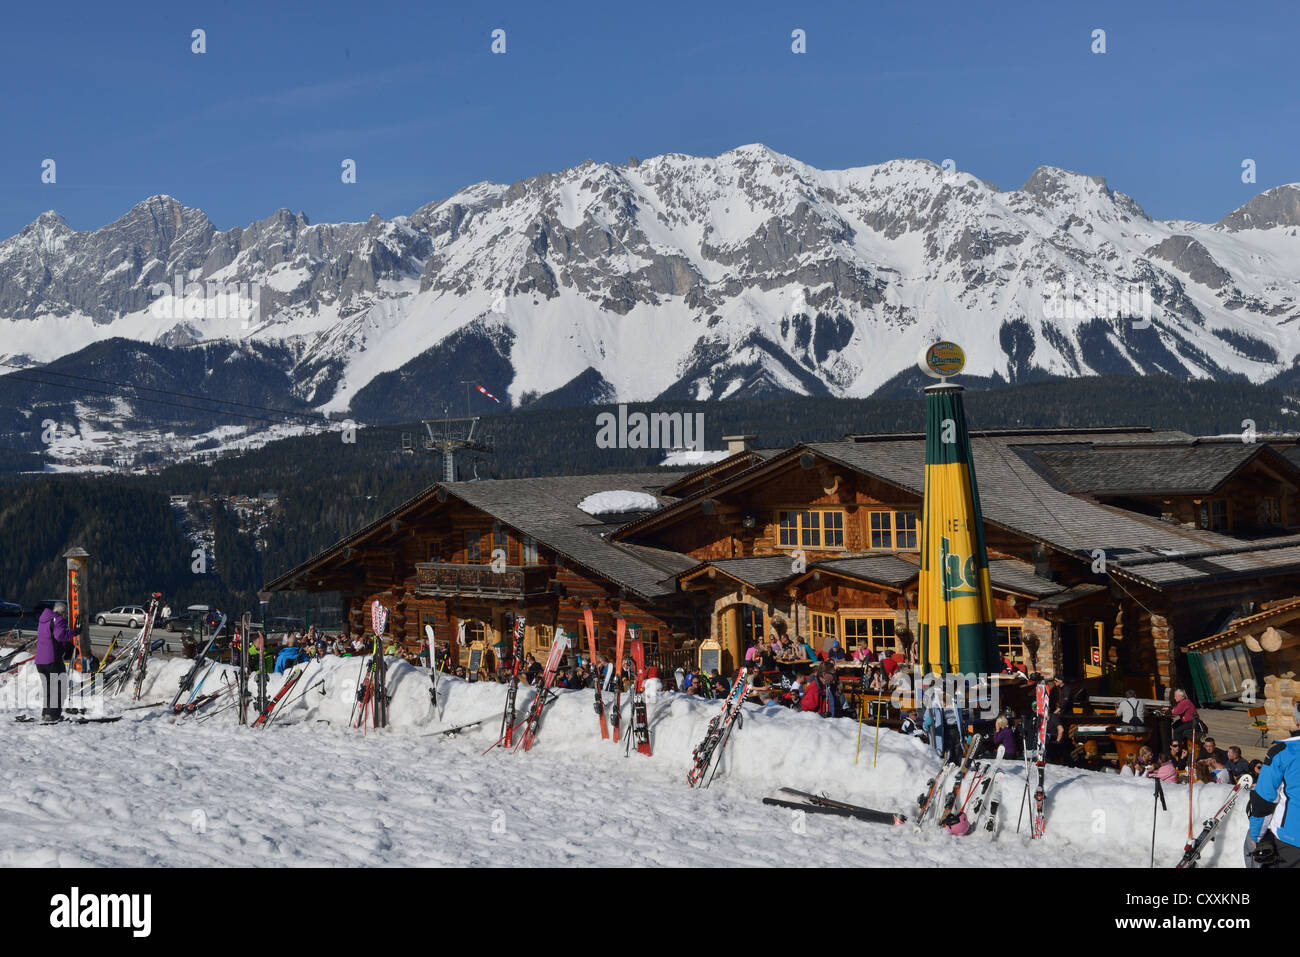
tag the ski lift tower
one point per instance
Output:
(449, 436)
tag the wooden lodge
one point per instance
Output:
(1110, 551)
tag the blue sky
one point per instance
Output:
(412, 93)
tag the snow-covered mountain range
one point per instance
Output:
(748, 274)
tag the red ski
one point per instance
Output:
(589, 618)
(1042, 702)
(544, 696)
(294, 677)
(616, 712)
(544, 693)
(640, 720)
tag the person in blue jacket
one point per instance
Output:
(289, 655)
(1274, 839)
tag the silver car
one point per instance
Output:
(130, 615)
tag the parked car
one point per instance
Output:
(133, 616)
(9, 610)
(189, 620)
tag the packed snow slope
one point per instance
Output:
(746, 274)
(308, 790)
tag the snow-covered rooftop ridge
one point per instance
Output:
(691, 457)
(618, 501)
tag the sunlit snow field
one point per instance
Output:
(310, 791)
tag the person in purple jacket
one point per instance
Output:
(53, 646)
(1004, 737)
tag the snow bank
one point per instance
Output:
(311, 790)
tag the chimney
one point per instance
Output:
(738, 443)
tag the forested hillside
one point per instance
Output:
(328, 488)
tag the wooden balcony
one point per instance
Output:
(445, 579)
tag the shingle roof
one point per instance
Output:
(885, 569)
(1243, 562)
(1009, 574)
(1068, 595)
(1193, 469)
(1018, 496)
(547, 510)
(723, 467)
(763, 571)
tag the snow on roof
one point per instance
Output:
(617, 501)
(693, 457)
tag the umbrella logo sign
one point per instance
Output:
(378, 618)
(943, 359)
(960, 575)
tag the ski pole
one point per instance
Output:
(1160, 798)
(862, 704)
(1024, 796)
(294, 698)
(876, 752)
(356, 694)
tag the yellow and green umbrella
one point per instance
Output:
(955, 611)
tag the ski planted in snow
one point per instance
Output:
(294, 677)
(1041, 703)
(616, 709)
(982, 787)
(989, 823)
(1192, 853)
(947, 817)
(981, 780)
(512, 687)
(379, 689)
(242, 651)
(142, 653)
(589, 619)
(544, 693)
(820, 804)
(640, 718)
(719, 731)
(188, 681)
(933, 788)
(433, 666)
(543, 697)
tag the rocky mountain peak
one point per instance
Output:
(746, 273)
(1279, 206)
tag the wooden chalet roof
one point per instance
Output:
(1010, 574)
(1194, 468)
(882, 569)
(547, 510)
(1017, 493)
(1069, 595)
(1280, 612)
(707, 475)
(1020, 498)
(762, 571)
(877, 568)
(1244, 560)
